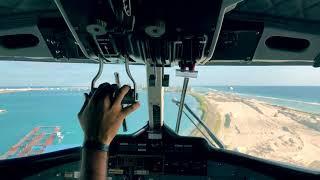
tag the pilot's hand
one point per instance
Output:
(99, 118)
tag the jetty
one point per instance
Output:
(34, 142)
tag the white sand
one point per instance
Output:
(263, 130)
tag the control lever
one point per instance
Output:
(132, 96)
(117, 80)
(96, 77)
(129, 98)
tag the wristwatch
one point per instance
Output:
(95, 145)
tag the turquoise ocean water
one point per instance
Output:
(59, 107)
(26, 110)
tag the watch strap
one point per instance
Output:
(95, 145)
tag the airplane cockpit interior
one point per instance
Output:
(158, 34)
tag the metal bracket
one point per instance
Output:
(134, 94)
(186, 74)
(97, 76)
(73, 32)
(226, 6)
(97, 30)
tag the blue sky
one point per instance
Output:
(62, 74)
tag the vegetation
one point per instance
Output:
(202, 104)
(204, 108)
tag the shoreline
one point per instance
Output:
(14, 90)
(261, 129)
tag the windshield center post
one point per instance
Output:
(155, 98)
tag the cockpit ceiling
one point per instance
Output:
(10, 7)
(291, 21)
(305, 10)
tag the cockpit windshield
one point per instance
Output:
(267, 112)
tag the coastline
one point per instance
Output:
(14, 90)
(261, 129)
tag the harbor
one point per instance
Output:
(34, 142)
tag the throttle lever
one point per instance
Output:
(129, 98)
(117, 80)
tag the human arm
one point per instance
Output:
(100, 118)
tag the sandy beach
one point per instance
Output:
(263, 130)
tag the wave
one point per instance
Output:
(211, 89)
(266, 97)
(68, 132)
(280, 99)
(4, 90)
(68, 88)
(21, 89)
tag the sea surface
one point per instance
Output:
(59, 107)
(303, 98)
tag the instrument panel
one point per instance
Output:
(162, 156)
(165, 157)
(145, 156)
(216, 170)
